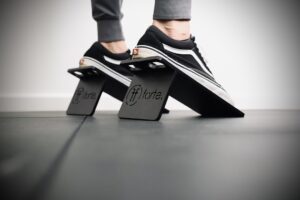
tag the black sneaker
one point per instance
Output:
(109, 63)
(183, 55)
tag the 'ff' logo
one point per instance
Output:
(133, 95)
(78, 93)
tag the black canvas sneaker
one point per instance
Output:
(184, 55)
(108, 62)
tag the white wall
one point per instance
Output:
(251, 46)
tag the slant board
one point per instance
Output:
(156, 79)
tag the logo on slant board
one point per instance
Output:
(81, 94)
(137, 92)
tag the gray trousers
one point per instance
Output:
(108, 15)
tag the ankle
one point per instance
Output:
(175, 29)
(115, 46)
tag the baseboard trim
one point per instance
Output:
(60, 102)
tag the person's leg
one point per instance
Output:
(108, 15)
(169, 38)
(173, 18)
(110, 50)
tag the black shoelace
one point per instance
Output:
(193, 38)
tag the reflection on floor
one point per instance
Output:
(49, 155)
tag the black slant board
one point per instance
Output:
(168, 80)
(90, 87)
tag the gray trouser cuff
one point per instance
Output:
(110, 30)
(172, 10)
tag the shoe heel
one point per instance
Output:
(82, 63)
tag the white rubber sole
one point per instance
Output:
(88, 61)
(145, 51)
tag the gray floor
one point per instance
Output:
(53, 156)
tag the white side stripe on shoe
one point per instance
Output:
(112, 61)
(187, 52)
(112, 73)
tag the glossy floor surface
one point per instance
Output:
(49, 155)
